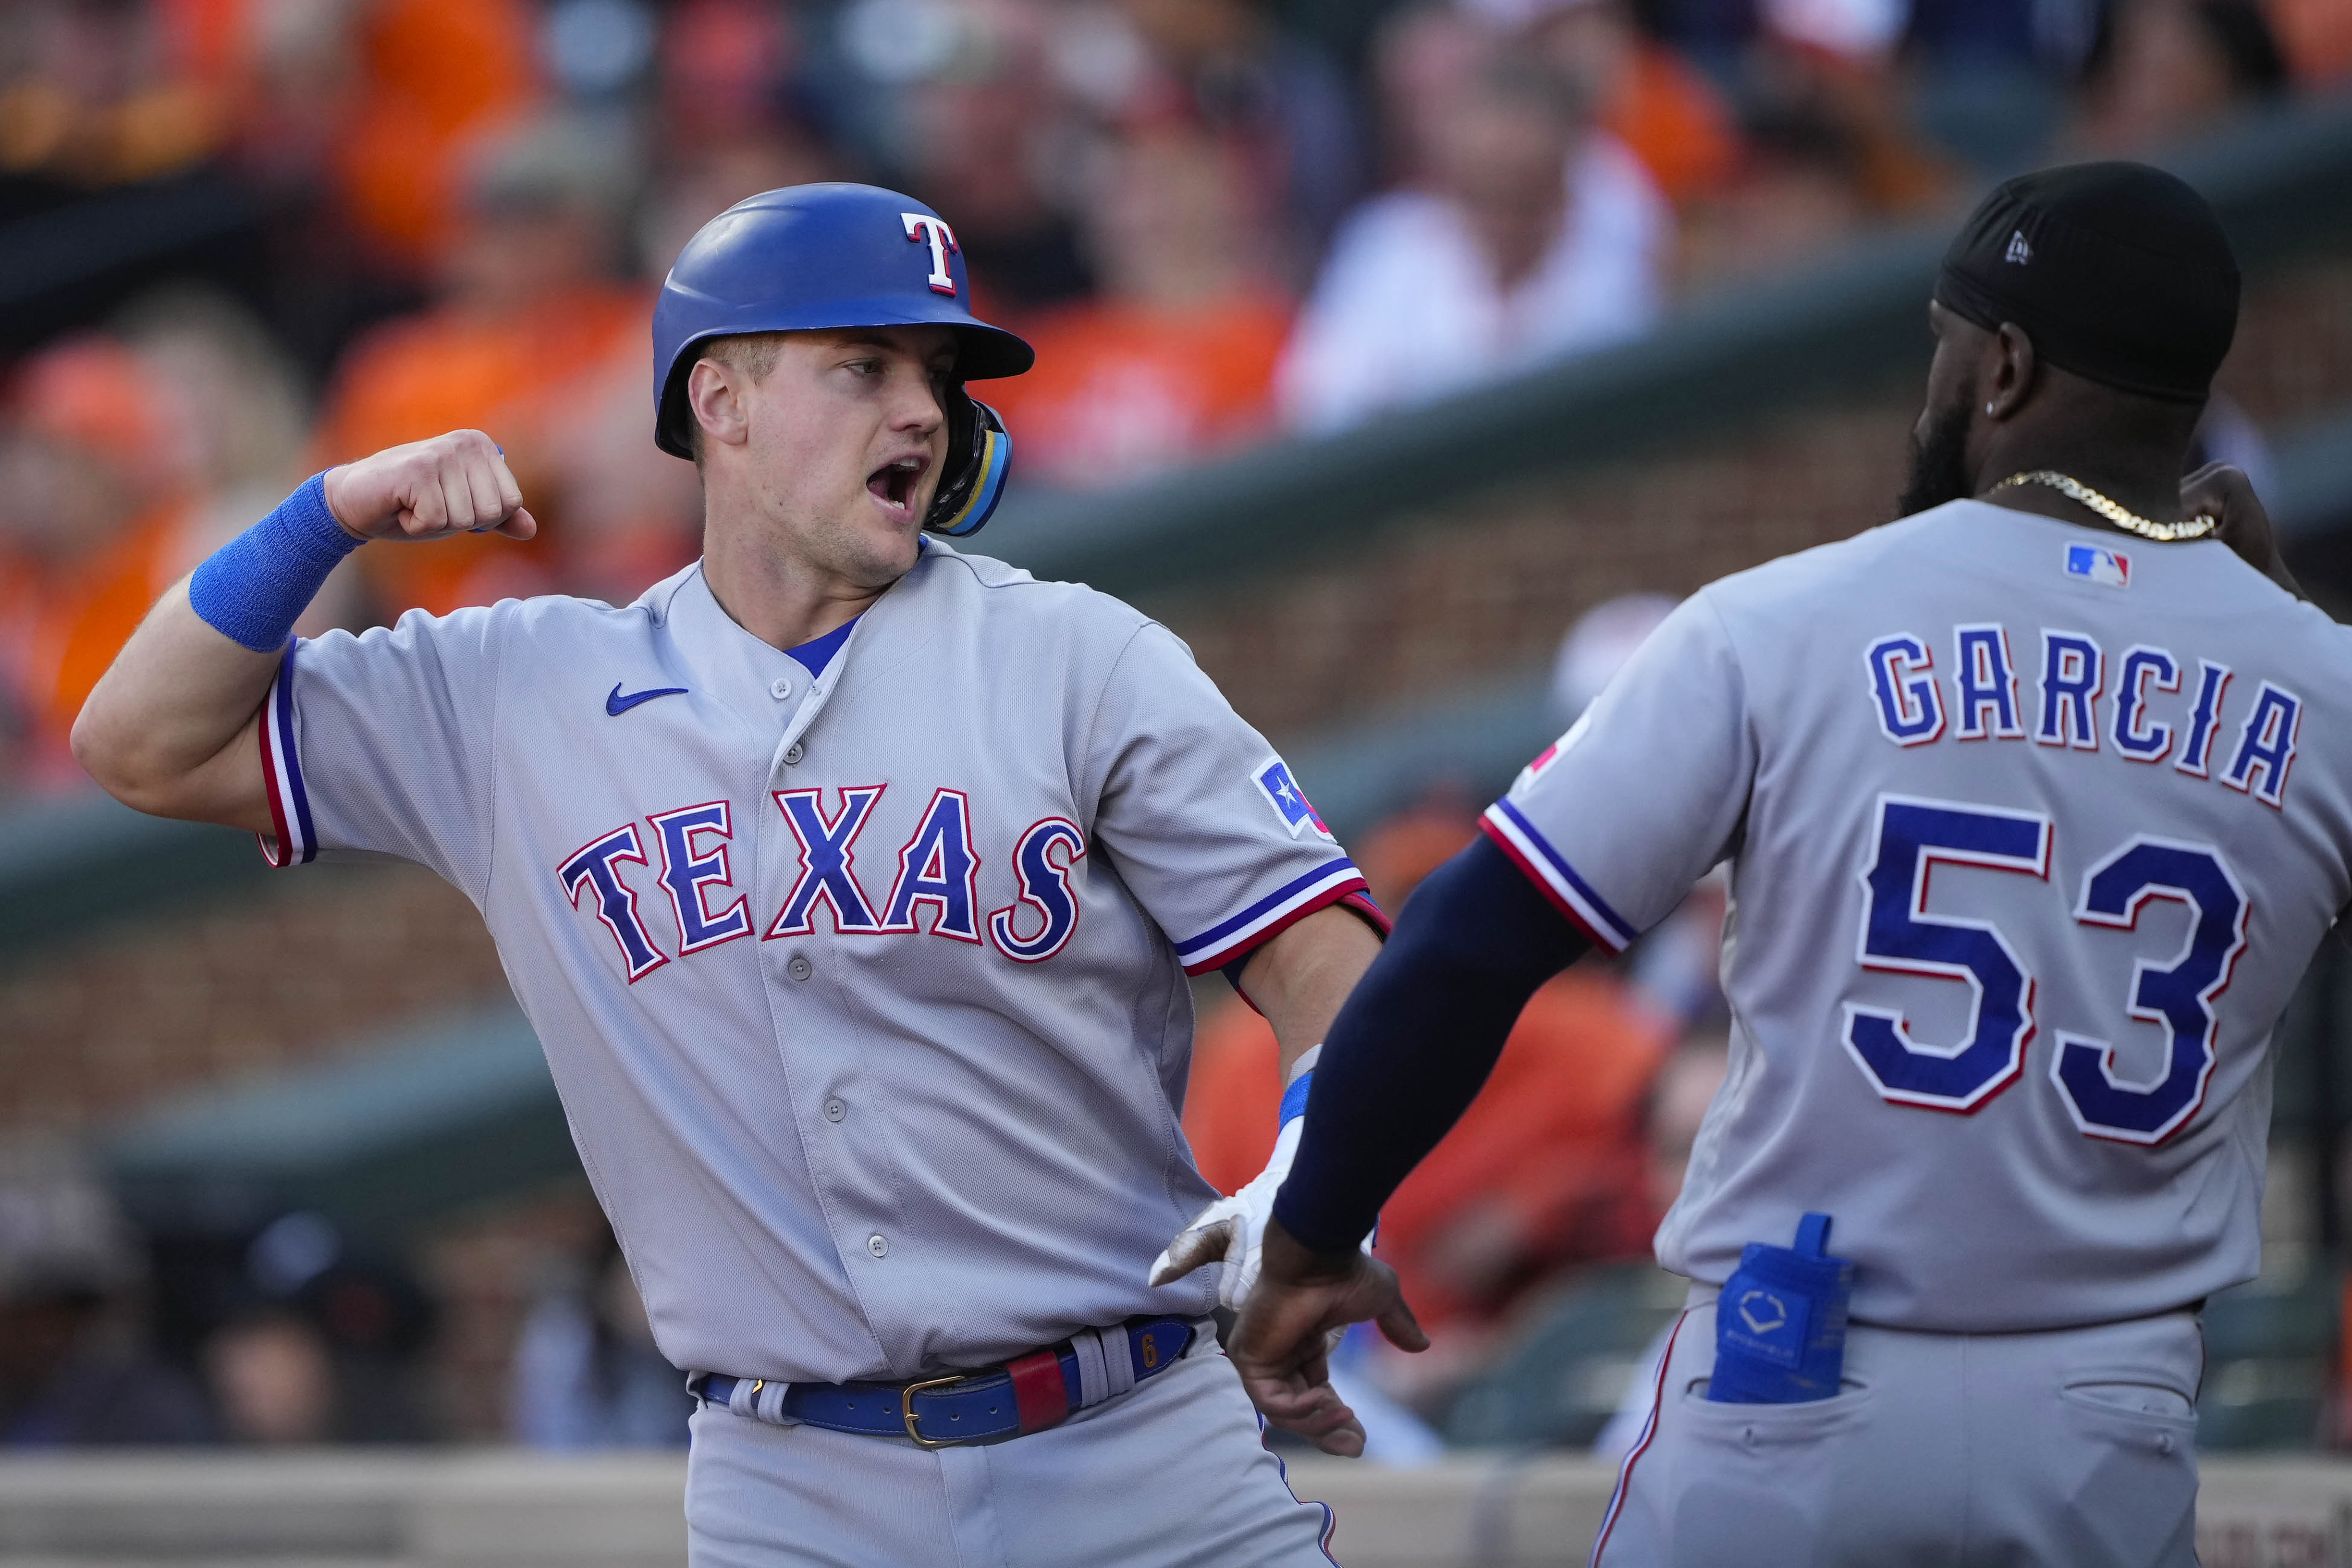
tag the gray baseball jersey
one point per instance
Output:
(864, 989)
(2024, 872)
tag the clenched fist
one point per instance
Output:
(456, 483)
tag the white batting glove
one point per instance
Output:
(1231, 1232)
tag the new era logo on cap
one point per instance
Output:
(2098, 563)
(1289, 801)
(2018, 251)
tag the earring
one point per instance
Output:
(1988, 408)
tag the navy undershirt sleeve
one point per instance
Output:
(1414, 1043)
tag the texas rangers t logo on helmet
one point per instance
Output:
(943, 239)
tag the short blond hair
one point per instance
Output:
(753, 353)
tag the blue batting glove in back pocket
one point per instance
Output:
(1779, 1327)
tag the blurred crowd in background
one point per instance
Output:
(1219, 220)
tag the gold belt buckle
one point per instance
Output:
(906, 1408)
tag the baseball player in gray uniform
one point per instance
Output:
(2036, 807)
(852, 883)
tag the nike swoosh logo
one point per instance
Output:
(615, 704)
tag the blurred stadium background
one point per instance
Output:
(1407, 359)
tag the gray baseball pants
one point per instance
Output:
(1171, 1475)
(2068, 1449)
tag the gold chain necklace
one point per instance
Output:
(2130, 522)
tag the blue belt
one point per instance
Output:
(986, 1404)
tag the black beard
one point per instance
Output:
(1939, 463)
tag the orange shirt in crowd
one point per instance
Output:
(1121, 390)
(1546, 1168)
(65, 624)
(1675, 123)
(68, 604)
(2316, 35)
(449, 370)
(435, 74)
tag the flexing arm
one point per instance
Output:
(170, 728)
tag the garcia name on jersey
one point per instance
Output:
(2139, 716)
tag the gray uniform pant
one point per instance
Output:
(1169, 1475)
(2070, 1449)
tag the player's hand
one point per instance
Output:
(2229, 496)
(1231, 1232)
(1282, 1345)
(456, 483)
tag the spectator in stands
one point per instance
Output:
(2172, 67)
(133, 455)
(1799, 192)
(272, 1378)
(1425, 59)
(1830, 144)
(983, 127)
(722, 69)
(1278, 101)
(1539, 235)
(323, 1343)
(586, 1374)
(2316, 37)
(74, 1370)
(1666, 113)
(531, 303)
(106, 95)
(435, 78)
(1174, 359)
(97, 468)
(1549, 1169)
(1989, 77)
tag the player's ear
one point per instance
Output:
(713, 394)
(2009, 371)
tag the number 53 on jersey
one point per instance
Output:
(1910, 838)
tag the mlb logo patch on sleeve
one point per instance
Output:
(2111, 568)
(1289, 801)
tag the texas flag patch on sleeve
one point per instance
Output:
(1289, 801)
(2098, 563)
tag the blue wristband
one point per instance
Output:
(253, 589)
(1294, 1099)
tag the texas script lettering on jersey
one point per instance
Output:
(938, 873)
(2079, 710)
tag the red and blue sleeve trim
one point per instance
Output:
(1334, 881)
(1549, 870)
(295, 843)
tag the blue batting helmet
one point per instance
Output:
(813, 256)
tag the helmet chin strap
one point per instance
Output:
(979, 453)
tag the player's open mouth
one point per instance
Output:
(894, 483)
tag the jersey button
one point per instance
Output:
(800, 968)
(780, 690)
(835, 1110)
(877, 1246)
(793, 754)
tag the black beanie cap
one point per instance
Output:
(2119, 272)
